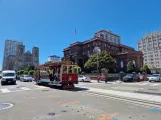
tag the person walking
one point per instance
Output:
(99, 77)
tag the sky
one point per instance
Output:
(50, 24)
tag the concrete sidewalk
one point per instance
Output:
(139, 96)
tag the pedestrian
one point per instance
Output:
(99, 77)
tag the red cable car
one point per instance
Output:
(63, 74)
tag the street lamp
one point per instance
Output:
(97, 50)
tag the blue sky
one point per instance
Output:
(50, 24)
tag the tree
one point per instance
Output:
(104, 60)
(18, 72)
(25, 72)
(146, 69)
(77, 69)
(21, 72)
(31, 72)
(153, 69)
(130, 66)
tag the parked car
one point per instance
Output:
(82, 78)
(26, 78)
(8, 76)
(143, 78)
(131, 78)
(18, 77)
(155, 78)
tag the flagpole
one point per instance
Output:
(75, 33)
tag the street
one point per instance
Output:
(31, 102)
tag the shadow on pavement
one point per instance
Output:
(77, 89)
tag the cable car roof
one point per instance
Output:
(52, 64)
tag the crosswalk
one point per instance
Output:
(20, 88)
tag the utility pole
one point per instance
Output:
(97, 51)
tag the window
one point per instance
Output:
(64, 69)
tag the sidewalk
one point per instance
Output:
(139, 96)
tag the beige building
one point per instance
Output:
(22, 59)
(150, 45)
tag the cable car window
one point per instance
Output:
(70, 69)
(64, 69)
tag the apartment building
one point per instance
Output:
(10, 48)
(150, 45)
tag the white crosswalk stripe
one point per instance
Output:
(5, 90)
(18, 89)
(25, 88)
(155, 84)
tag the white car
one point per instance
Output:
(8, 76)
(26, 78)
(82, 78)
(155, 78)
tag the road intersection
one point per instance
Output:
(32, 102)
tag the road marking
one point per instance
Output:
(107, 117)
(155, 84)
(5, 90)
(25, 88)
(65, 104)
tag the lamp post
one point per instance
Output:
(97, 51)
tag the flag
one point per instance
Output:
(75, 32)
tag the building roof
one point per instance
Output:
(95, 39)
(54, 56)
(109, 31)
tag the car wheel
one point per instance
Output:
(149, 80)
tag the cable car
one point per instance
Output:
(63, 74)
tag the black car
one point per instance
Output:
(131, 78)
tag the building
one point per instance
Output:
(150, 45)
(10, 48)
(109, 36)
(54, 58)
(22, 59)
(79, 52)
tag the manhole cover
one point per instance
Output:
(5, 106)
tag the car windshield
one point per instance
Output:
(154, 75)
(8, 74)
(81, 76)
(129, 75)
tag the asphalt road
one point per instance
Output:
(42, 103)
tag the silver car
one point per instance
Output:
(155, 78)
(26, 78)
